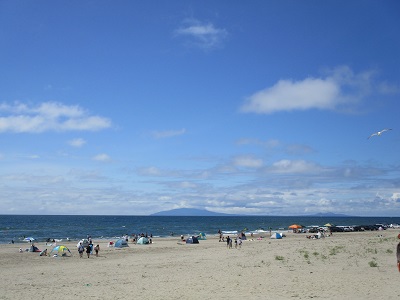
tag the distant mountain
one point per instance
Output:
(189, 212)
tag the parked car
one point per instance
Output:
(336, 229)
(358, 228)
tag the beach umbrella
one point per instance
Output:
(329, 225)
(295, 226)
(29, 239)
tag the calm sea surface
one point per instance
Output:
(16, 227)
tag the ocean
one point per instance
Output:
(42, 227)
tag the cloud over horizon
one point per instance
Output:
(48, 116)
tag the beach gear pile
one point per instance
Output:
(192, 240)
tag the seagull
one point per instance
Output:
(379, 132)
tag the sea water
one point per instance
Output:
(43, 227)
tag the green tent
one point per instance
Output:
(143, 241)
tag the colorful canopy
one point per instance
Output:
(295, 226)
(60, 250)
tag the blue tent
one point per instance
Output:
(202, 236)
(121, 244)
(276, 235)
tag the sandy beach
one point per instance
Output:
(343, 266)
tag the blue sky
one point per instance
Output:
(259, 108)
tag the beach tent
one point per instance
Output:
(60, 250)
(276, 236)
(143, 241)
(33, 248)
(192, 240)
(202, 236)
(121, 243)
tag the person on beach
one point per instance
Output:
(228, 239)
(88, 250)
(96, 250)
(80, 249)
(398, 254)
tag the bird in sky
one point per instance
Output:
(379, 132)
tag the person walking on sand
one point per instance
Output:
(228, 239)
(88, 250)
(80, 249)
(398, 254)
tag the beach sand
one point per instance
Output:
(343, 266)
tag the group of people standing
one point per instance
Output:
(229, 242)
(89, 248)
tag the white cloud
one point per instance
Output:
(102, 157)
(387, 88)
(150, 171)
(341, 87)
(203, 35)
(248, 162)
(168, 133)
(270, 144)
(79, 142)
(395, 197)
(293, 166)
(289, 95)
(49, 116)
